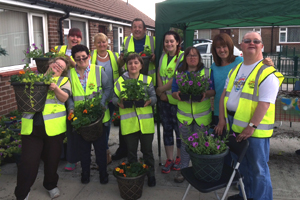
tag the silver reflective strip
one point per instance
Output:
(169, 92)
(92, 55)
(78, 98)
(54, 101)
(249, 96)
(164, 78)
(256, 79)
(185, 114)
(127, 42)
(27, 116)
(128, 116)
(115, 80)
(178, 60)
(151, 72)
(98, 79)
(145, 116)
(151, 43)
(232, 70)
(202, 114)
(227, 94)
(55, 115)
(59, 80)
(160, 61)
(206, 72)
(58, 49)
(145, 79)
(118, 86)
(264, 127)
(115, 55)
(69, 75)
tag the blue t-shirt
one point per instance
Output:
(139, 44)
(175, 87)
(220, 75)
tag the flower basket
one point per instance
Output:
(207, 167)
(139, 103)
(184, 97)
(41, 64)
(145, 68)
(131, 188)
(39, 96)
(93, 131)
(196, 98)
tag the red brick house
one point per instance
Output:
(47, 22)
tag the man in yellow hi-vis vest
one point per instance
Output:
(248, 106)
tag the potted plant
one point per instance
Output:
(207, 152)
(130, 178)
(192, 86)
(31, 89)
(87, 118)
(116, 118)
(41, 59)
(16, 127)
(134, 93)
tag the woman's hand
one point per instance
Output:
(121, 105)
(53, 86)
(175, 95)
(268, 61)
(163, 97)
(153, 57)
(147, 103)
(70, 61)
(220, 127)
(204, 95)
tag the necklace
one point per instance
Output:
(104, 56)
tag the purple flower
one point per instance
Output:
(177, 81)
(183, 84)
(180, 125)
(180, 79)
(212, 135)
(202, 126)
(218, 147)
(190, 82)
(35, 48)
(27, 51)
(33, 44)
(218, 141)
(1, 154)
(195, 135)
(185, 122)
(206, 144)
(195, 144)
(41, 45)
(23, 60)
(199, 84)
(195, 75)
(178, 76)
(19, 146)
(234, 134)
(206, 133)
(191, 138)
(184, 76)
(222, 141)
(211, 88)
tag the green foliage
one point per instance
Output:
(38, 53)
(196, 84)
(3, 51)
(203, 143)
(131, 170)
(134, 90)
(87, 112)
(146, 52)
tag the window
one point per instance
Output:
(118, 38)
(289, 34)
(202, 48)
(204, 34)
(243, 31)
(82, 25)
(19, 30)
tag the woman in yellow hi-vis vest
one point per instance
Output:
(87, 79)
(40, 140)
(195, 115)
(109, 61)
(168, 63)
(137, 124)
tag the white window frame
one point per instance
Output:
(255, 29)
(45, 29)
(66, 30)
(119, 35)
(286, 34)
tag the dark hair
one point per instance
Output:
(184, 63)
(134, 56)
(177, 38)
(222, 39)
(53, 60)
(75, 32)
(79, 47)
(138, 20)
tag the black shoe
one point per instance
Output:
(118, 155)
(151, 181)
(85, 177)
(103, 177)
(237, 197)
(297, 152)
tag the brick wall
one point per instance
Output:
(7, 96)
(53, 30)
(127, 31)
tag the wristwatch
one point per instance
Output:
(252, 125)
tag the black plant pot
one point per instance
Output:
(139, 103)
(184, 97)
(196, 98)
(127, 104)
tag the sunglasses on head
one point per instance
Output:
(79, 59)
(248, 41)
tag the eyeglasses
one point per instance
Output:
(248, 41)
(192, 56)
(79, 59)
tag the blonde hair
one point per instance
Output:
(102, 36)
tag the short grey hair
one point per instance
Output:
(253, 32)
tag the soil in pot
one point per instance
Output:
(127, 104)
(196, 98)
(184, 97)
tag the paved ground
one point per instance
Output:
(284, 166)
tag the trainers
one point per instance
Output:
(167, 168)
(54, 193)
(176, 165)
(27, 196)
(70, 166)
(178, 177)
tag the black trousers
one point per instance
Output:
(38, 146)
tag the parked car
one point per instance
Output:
(196, 41)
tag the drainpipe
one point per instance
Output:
(60, 27)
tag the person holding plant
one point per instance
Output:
(195, 115)
(168, 64)
(137, 123)
(109, 61)
(74, 38)
(39, 139)
(86, 81)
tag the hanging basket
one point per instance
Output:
(93, 131)
(207, 167)
(39, 96)
(131, 188)
(41, 64)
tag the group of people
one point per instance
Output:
(236, 83)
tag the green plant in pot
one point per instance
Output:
(135, 93)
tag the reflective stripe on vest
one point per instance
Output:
(54, 115)
(55, 101)
(27, 116)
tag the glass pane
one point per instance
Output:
(120, 30)
(81, 26)
(115, 40)
(243, 31)
(13, 37)
(38, 35)
(282, 37)
(293, 34)
(204, 34)
(202, 48)
(66, 24)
